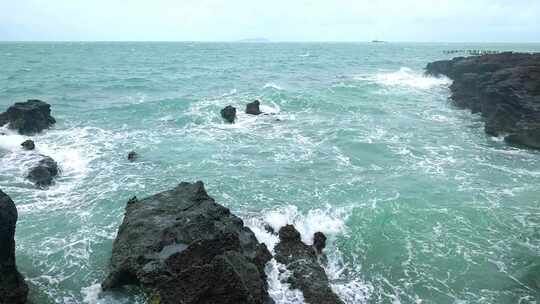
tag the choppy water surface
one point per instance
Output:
(419, 204)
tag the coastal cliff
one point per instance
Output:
(504, 88)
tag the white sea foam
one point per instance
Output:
(273, 86)
(405, 77)
(91, 294)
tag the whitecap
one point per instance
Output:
(406, 77)
(272, 85)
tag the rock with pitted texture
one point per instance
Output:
(30, 117)
(301, 260)
(13, 288)
(229, 114)
(185, 248)
(253, 108)
(504, 88)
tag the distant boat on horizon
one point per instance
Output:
(258, 40)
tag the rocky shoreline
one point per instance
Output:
(504, 88)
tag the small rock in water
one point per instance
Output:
(30, 117)
(132, 156)
(269, 229)
(253, 108)
(229, 113)
(43, 173)
(319, 242)
(28, 144)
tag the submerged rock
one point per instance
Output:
(307, 274)
(28, 144)
(504, 88)
(13, 288)
(43, 173)
(30, 117)
(253, 108)
(132, 156)
(186, 248)
(229, 113)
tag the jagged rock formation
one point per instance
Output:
(504, 88)
(307, 274)
(43, 173)
(229, 114)
(13, 289)
(253, 108)
(30, 117)
(185, 248)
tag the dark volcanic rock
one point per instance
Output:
(28, 144)
(28, 117)
(13, 289)
(229, 113)
(132, 156)
(253, 108)
(43, 172)
(188, 249)
(504, 88)
(307, 275)
(319, 242)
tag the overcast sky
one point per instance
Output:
(277, 20)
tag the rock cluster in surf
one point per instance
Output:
(504, 88)
(229, 112)
(30, 117)
(43, 172)
(302, 260)
(13, 289)
(185, 248)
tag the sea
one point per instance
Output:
(419, 204)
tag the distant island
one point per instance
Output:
(378, 41)
(259, 40)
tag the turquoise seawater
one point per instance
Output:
(419, 204)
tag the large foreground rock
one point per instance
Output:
(13, 289)
(30, 117)
(43, 173)
(185, 248)
(504, 88)
(307, 274)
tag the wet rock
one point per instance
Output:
(132, 156)
(186, 248)
(229, 114)
(28, 144)
(30, 117)
(253, 108)
(319, 242)
(13, 289)
(43, 173)
(504, 88)
(307, 274)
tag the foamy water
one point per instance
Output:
(418, 204)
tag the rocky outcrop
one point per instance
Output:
(43, 173)
(28, 144)
(319, 242)
(301, 260)
(13, 289)
(185, 248)
(229, 114)
(504, 88)
(30, 117)
(132, 156)
(253, 108)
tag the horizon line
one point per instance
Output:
(263, 42)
